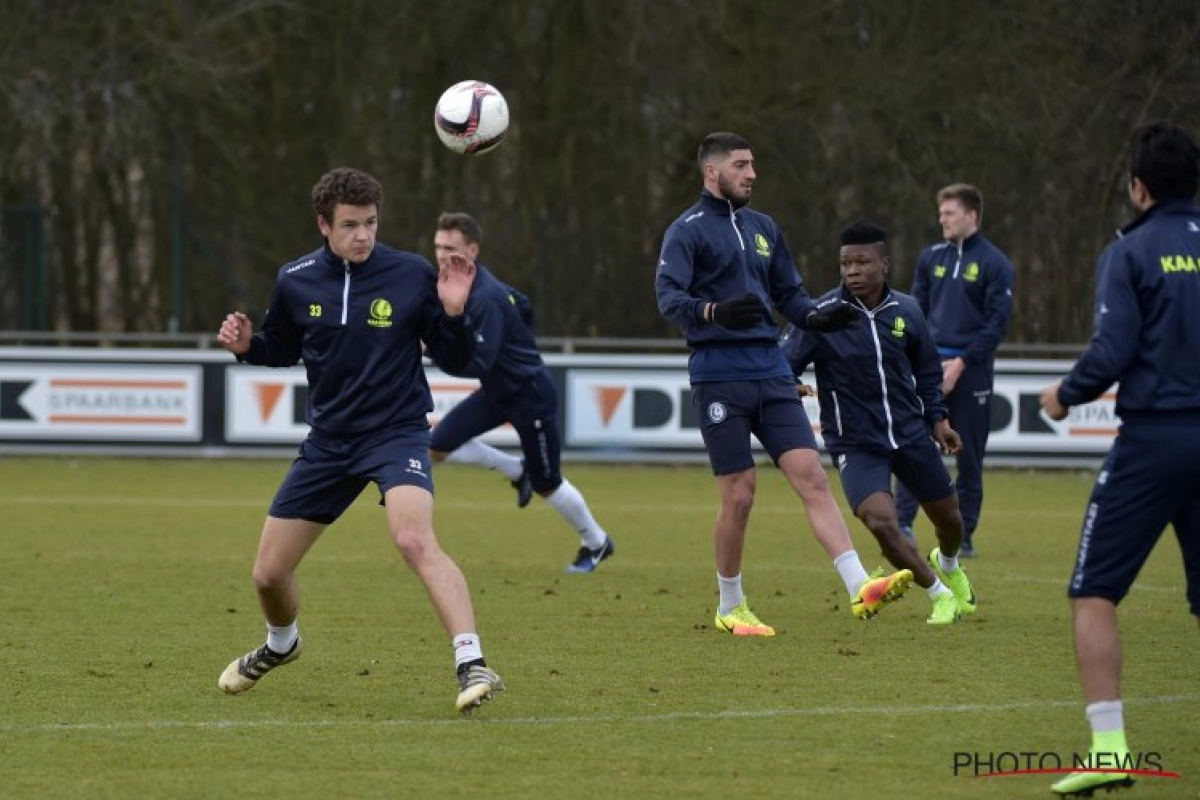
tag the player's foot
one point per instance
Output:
(523, 487)
(741, 621)
(1085, 784)
(879, 590)
(242, 673)
(476, 684)
(957, 581)
(587, 560)
(945, 610)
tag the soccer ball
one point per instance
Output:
(471, 117)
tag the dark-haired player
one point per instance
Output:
(514, 387)
(356, 312)
(1146, 337)
(882, 410)
(722, 266)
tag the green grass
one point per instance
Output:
(124, 591)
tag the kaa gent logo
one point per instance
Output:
(716, 413)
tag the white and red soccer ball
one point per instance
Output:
(471, 117)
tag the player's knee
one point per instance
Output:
(269, 578)
(416, 545)
(739, 499)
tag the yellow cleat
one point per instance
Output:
(957, 581)
(741, 621)
(1085, 784)
(945, 610)
(879, 590)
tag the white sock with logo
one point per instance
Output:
(467, 648)
(476, 452)
(947, 563)
(731, 593)
(567, 501)
(851, 569)
(281, 638)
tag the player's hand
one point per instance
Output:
(805, 390)
(952, 370)
(737, 314)
(1050, 404)
(235, 333)
(836, 318)
(455, 278)
(949, 442)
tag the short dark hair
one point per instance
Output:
(463, 223)
(346, 186)
(966, 194)
(721, 143)
(1165, 158)
(864, 231)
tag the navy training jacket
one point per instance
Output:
(965, 291)
(714, 252)
(1147, 316)
(879, 383)
(506, 357)
(358, 329)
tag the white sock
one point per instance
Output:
(949, 563)
(1107, 715)
(467, 648)
(476, 452)
(281, 639)
(851, 570)
(731, 593)
(567, 501)
(938, 588)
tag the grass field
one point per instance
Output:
(124, 587)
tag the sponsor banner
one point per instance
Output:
(638, 408)
(653, 408)
(267, 406)
(66, 401)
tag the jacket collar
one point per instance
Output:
(847, 296)
(716, 205)
(1162, 208)
(334, 260)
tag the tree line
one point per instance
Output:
(170, 147)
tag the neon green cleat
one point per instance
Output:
(879, 590)
(945, 610)
(1085, 784)
(957, 581)
(741, 621)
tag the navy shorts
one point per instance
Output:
(1150, 479)
(330, 473)
(729, 411)
(533, 413)
(919, 466)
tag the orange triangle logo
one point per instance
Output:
(268, 397)
(609, 397)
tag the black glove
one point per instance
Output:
(737, 314)
(837, 318)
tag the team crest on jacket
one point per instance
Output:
(898, 326)
(762, 245)
(716, 413)
(381, 313)
(972, 273)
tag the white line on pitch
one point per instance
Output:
(492, 718)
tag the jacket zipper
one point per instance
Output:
(345, 292)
